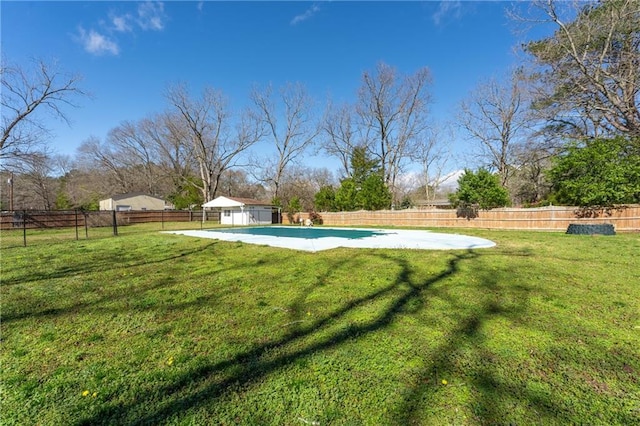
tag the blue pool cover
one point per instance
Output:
(301, 232)
(321, 238)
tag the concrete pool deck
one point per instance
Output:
(383, 238)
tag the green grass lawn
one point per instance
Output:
(150, 328)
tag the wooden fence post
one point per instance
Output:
(76, 216)
(24, 227)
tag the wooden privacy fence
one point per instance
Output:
(624, 219)
(552, 218)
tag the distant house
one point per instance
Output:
(134, 201)
(243, 211)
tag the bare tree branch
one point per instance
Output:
(26, 93)
(341, 133)
(206, 122)
(392, 111)
(432, 154)
(495, 115)
(290, 126)
(589, 69)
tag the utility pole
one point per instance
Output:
(10, 181)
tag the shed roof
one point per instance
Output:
(235, 202)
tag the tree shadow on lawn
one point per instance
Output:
(39, 307)
(492, 395)
(491, 400)
(211, 382)
(107, 261)
(550, 388)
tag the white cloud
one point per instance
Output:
(122, 23)
(447, 9)
(151, 16)
(97, 44)
(306, 15)
(200, 6)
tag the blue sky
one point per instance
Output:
(129, 52)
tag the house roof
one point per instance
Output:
(235, 202)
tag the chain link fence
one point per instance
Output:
(23, 227)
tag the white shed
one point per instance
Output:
(242, 211)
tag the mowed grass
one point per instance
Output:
(151, 328)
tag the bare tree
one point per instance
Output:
(495, 115)
(84, 187)
(340, 130)
(168, 137)
(136, 154)
(63, 163)
(392, 111)
(528, 184)
(143, 156)
(26, 94)
(290, 127)
(589, 69)
(432, 154)
(43, 185)
(40, 185)
(206, 123)
(303, 182)
(93, 154)
(236, 183)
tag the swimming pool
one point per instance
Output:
(325, 238)
(301, 232)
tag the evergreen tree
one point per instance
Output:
(346, 195)
(325, 199)
(481, 189)
(365, 188)
(362, 166)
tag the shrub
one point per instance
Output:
(600, 172)
(481, 190)
(315, 218)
